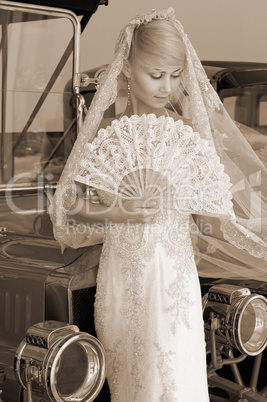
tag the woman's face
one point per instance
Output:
(152, 85)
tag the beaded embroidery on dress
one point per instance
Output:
(148, 308)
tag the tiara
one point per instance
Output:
(141, 19)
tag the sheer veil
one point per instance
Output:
(225, 247)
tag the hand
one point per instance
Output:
(139, 210)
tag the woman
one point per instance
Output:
(148, 312)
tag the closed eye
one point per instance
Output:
(159, 76)
(156, 77)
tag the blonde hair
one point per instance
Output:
(158, 39)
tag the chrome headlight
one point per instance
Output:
(241, 318)
(58, 359)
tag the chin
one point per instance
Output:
(161, 103)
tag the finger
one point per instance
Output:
(150, 210)
(128, 207)
(151, 203)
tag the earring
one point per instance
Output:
(128, 94)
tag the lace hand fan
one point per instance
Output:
(145, 157)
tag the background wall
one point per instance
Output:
(219, 29)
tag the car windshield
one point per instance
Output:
(248, 106)
(37, 62)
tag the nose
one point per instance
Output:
(166, 85)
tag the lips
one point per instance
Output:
(162, 97)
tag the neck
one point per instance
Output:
(130, 110)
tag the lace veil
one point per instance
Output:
(223, 248)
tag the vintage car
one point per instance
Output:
(48, 345)
(46, 298)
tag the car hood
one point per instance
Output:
(26, 234)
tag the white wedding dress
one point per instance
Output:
(148, 307)
(148, 313)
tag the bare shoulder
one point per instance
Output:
(176, 117)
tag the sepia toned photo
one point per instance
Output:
(133, 201)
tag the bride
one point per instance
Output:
(171, 156)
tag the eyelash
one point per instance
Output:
(158, 78)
